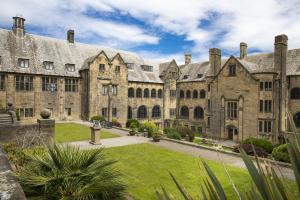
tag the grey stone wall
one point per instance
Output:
(10, 189)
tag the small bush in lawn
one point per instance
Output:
(185, 131)
(98, 118)
(280, 153)
(173, 135)
(263, 143)
(132, 121)
(150, 127)
(260, 152)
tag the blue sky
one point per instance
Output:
(162, 30)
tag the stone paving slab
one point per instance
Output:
(111, 142)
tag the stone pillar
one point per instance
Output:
(95, 135)
(240, 119)
(47, 126)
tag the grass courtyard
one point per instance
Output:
(146, 167)
(69, 132)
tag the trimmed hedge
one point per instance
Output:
(265, 144)
(98, 118)
(174, 135)
(280, 153)
(185, 131)
(260, 152)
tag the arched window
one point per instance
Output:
(153, 93)
(198, 113)
(297, 119)
(188, 94)
(184, 112)
(146, 93)
(131, 92)
(156, 111)
(159, 93)
(129, 113)
(139, 93)
(181, 94)
(142, 112)
(202, 94)
(295, 93)
(195, 94)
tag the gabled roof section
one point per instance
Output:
(163, 67)
(118, 56)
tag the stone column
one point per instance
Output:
(95, 135)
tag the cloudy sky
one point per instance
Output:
(162, 29)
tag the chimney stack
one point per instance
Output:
(243, 50)
(18, 26)
(70, 36)
(215, 60)
(188, 58)
(280, 58)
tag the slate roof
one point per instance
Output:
(257, 63)
(39, 49)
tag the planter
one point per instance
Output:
(132, 133)
(156, 138)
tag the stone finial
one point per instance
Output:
(70, 36)
(243, 50)
(45, 114)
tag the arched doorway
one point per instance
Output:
(232, 132)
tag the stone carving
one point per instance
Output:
(45, 114)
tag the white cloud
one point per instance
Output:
(230, 21)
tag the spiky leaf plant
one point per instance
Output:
(267, 183)
(66, 172)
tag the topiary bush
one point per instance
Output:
(98, 118)
(263, 143)
(150, 127)
(173, 135)
(132, 121)
(280, 153)
(260, 152)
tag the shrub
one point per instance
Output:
(66, 172)
(173, 135)
(280, 153)
(132, 121)
(265, 144)
(150, 127)
(98, 118)
(116, 123)
(185, 131)
(18, 115)
(260, 152)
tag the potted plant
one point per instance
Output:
(133, 130)
(156, 135)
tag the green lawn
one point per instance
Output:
(68, 132)
(146, 167)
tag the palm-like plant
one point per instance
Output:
(66, 172)
(267, 183)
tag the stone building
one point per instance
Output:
(233, 98)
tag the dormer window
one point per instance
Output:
(101, 67)
(232, 70)
(48, 65)
(70, 67)
(185, 76)
(147, 68)
(130, 65)
(199, 75)
(23, 63)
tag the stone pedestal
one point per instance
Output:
(95, 136)
(47, 127)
